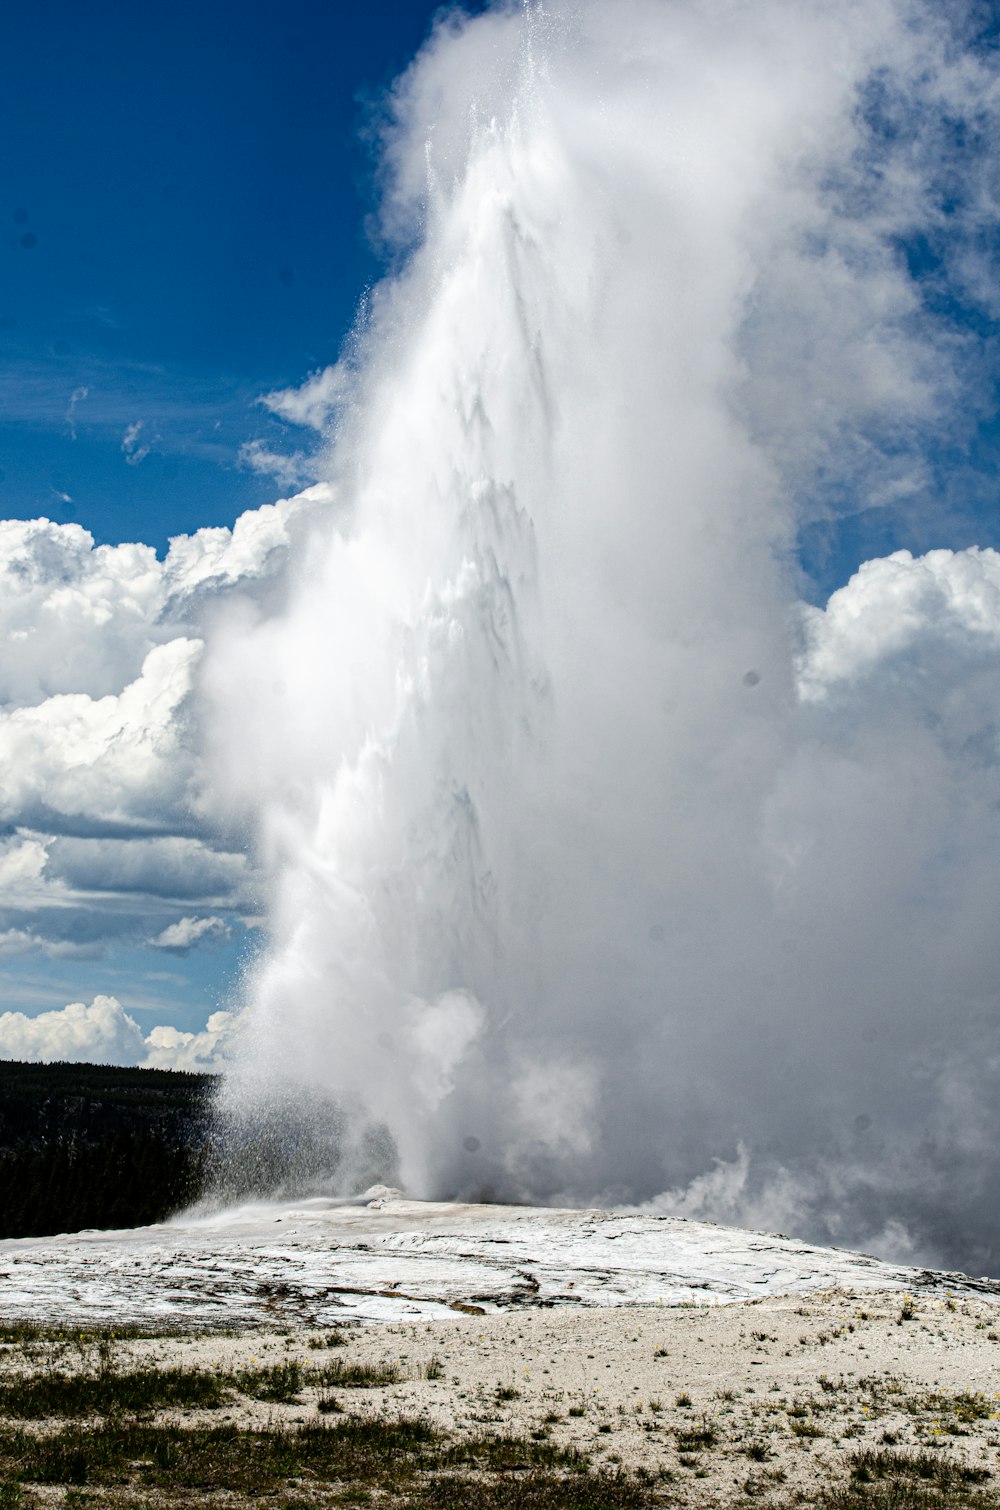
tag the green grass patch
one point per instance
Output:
(215, 1458)
(340, 1375)
(541, 1491)
(873, 1463)
(36, 1397)
(373, 1452)
(904, 1494)
(17, 1333)
(694, 1438)
(279, 1384)
(965, 1407)
(336, 1338)
(806, 1428)
(501, 1453)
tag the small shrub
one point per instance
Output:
(695, 1438)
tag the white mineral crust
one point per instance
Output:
(382, 1258)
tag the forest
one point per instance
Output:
(87, 1145)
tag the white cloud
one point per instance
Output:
(76, 397)
(101, 1033)
(104, 1033)
(76, 617)
(15, 943)
(314, 402)
(101, 772)
(115, 759)
(214, 562)
(183, 936)
(210, 1050)
(134, 451)
(288, 471)
(894, 609)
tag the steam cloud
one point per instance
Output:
(602, 866)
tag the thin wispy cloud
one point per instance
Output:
(290, 470)
(314, 402)
(134, 449)
(181, 414)
(76, 397)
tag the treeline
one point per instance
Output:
(85, 1145)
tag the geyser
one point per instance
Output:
(600, 865)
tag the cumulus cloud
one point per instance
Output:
(101, 780)
(112, 760)
(101, 1033)
(184, 935)
(895, 609)
(210, 1050)
(104, 1033)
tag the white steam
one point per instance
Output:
(595, 858)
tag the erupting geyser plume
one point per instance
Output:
(601, 866)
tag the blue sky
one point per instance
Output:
(185, 192)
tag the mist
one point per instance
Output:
(607, 860)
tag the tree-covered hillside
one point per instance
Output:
(86, 1145)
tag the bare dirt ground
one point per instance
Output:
(779, 1401)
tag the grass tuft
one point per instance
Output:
(279, 1384)
(874, 1463)
(695, 1438)
(340, 1375)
